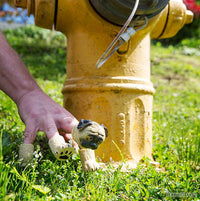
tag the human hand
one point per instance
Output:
(40, 113)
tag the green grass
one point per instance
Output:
(176, 132)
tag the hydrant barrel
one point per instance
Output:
(119, 94)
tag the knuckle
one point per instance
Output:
(49, 127)
(29, 136)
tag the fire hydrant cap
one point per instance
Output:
(117, 11)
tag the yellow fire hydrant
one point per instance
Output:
(120, 93)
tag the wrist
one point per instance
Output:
(25, 92)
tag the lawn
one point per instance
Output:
(176, 131)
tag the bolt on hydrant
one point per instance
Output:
(119, 94)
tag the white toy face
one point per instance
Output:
(91, 134)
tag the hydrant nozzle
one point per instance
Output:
(189, 17)
(43, 11)
(21, 3)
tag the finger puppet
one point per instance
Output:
(61, 149)
(87, 134)
(25, 153)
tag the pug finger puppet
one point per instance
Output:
(89, 135)
(25, 153)
(61, 149)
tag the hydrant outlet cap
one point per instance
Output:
(189, 17)
(118, 11)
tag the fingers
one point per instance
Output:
(68, 137)
(67, 123)
(61, 150)
(29, 134)
(46, 125)
(49, 128)
(49, 124)
(26, 149)
(66, 126)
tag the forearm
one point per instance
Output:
(15, 79)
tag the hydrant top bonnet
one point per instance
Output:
(117, 11)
